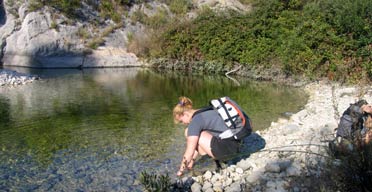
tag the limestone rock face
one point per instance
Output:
(7, 26)
(45, 39)
(37, 44)
(111, 57)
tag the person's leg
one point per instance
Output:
(195, 155)
(223, 149)
(204, 145)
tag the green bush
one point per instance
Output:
(180, 7)
(109, 9)
(68, 7)
(158, 20)
(95, 43)
(349, 172)
(349, 17)
(35, 5)
(83, 33)
(112, 9)
(155, 183)
(302, 37)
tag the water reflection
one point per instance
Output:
(96, 129)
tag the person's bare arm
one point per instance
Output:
(192, 143)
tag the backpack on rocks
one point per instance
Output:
(350, 130)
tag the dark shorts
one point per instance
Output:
(224, 149)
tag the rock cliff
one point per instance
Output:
(45, 38)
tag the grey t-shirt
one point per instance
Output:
(206, 121)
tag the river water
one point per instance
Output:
(98, 129)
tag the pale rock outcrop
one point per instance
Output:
(44, 39)
(37, 44)
(223, 4)
(7, 26)
(150, 9)
(118, 57)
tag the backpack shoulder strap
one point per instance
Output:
(202, 110)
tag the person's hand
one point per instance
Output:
(179, 173)
(367, 108)
(189, 166)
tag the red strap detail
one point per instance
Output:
(239, 112)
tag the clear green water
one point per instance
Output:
(97, 129)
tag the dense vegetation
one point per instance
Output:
(329, 38)
(348, 172)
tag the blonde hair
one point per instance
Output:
(184, 104)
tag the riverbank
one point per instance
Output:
(296, 148)
(13, 78)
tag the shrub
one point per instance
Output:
(54, 25)
(138, 16)
(155, 183)
(35, 5)
(159, 20)
(109, 10)
(302, 37)
(83, 33)
(351, 172)
(180, 7)
(95, 43)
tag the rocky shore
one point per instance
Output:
(295, 150)
(13, 78)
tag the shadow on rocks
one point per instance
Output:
(251, 144)
(2, 13)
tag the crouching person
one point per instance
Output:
(354, 130)
(207, 132)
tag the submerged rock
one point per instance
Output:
(13, 78)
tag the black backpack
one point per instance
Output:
(351, 122)
(349, 131)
